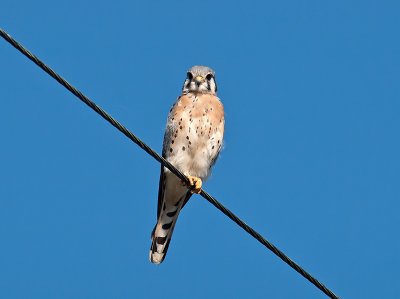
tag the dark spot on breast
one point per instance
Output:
(218, 141)
(180, 127)
(213, 147)
(170, 149)
(187, 137)
(190, 142)
(183, 148)
(172, 141)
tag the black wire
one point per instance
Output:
(164, 162)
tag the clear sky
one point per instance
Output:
(311, 157)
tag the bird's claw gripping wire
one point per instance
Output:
(195, 184)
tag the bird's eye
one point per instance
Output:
(189, 75)
(209, 77)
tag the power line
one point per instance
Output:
(165, 163)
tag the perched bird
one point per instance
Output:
(192, 142)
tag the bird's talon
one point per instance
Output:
(195, 183)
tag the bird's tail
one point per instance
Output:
(162, 233)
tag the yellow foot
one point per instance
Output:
(195, 183)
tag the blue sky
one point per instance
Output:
(311, 157)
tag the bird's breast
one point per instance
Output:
(195, 125)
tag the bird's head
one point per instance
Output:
(200, 79)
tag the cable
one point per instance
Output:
(165, 163)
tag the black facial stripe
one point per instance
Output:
(186, 84)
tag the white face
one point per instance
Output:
(203, 83)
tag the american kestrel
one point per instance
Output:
(192, 142)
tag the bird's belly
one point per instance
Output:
(192, 156)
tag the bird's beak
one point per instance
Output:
(198, 80)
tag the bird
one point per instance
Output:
(192, 142)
